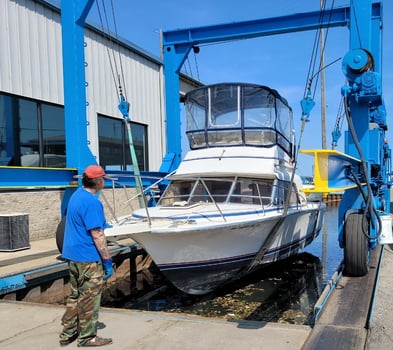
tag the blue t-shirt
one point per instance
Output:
(84, 213)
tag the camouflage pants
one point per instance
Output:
(83, 304)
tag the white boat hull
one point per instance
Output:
(199, 256)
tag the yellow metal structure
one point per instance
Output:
(331, 170)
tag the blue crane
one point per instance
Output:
(363, 170)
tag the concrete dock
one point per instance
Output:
(31, 326)
(37, 326)
(380, 334)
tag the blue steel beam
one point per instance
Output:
(256, 28)
(12, 283)
(178, 43)
(29, 278)
(32, 177)
(73, 16)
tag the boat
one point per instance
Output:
(235, 201)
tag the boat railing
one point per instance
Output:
(125, 182)
(191, 192)
(212, 199)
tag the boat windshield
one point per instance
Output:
(238, 114)
(182, 193)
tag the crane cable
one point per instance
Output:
(188, 63)
(312, 66)
(311, 75)
(339, 123)
(316, 51)
(119, 72)
(367, 197)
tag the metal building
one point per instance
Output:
(31, 67)
(32, 132)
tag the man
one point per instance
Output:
(89, 261)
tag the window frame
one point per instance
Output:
(13, 129)
(124, 161)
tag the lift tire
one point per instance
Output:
(356, 252)
(60, 234)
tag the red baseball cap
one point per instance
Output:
(94, 171)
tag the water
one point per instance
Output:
(283, 292)
(326, 246)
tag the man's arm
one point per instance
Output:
(100, 242)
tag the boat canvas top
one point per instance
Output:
(238, 114)
(238, 128)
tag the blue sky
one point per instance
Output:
(279, 61)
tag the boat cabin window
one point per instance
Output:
(208, 190)
(183, 193)
(281, 191)
(188, 192)
(249, 191)
(228, 190)
(196, 112)
(177, 192)
(224, 137)
(224, 111)
(238, 114)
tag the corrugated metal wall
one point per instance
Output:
(31, 66)
(142, 88)
(30, 51)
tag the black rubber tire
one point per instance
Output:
(60, 234)
(356, 251)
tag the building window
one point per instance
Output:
(32, 133)
(114, 145)
(53, 136)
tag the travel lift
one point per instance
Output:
(362, 171)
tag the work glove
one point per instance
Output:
(108, 269)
